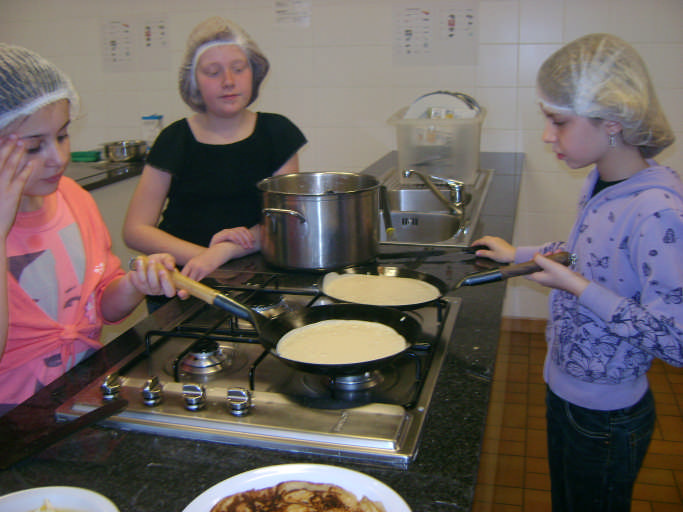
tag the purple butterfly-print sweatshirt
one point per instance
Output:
(628, 241)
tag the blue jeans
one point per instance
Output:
(595, 456)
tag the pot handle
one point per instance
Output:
(283, 211)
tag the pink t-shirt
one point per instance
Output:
(46, 257)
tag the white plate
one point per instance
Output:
(72, 498)
(352, 481)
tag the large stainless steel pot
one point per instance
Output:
(319, 220)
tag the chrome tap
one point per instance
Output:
(454, 203)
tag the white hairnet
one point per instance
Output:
(601, 76)
(28, 82)
(211, 32)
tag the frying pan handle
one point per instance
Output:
(520, 269)
(211, 296)
(529, 267)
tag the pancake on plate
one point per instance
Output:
(297, 496)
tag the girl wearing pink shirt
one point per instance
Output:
(59, 280)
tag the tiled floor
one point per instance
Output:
(513, 475)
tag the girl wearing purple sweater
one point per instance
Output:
(620, 304)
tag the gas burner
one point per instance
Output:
(204, 358)
(360, 382)
(322, 385)
(202, 361)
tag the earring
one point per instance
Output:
(612, 140)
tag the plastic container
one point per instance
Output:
(448, 148)
(151, 126)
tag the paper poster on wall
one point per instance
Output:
(436, 32)
(293, 13)
(118, 45)
(136, 43)
(154, 48)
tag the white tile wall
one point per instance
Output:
(336, 80)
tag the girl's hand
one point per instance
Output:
(151, 275)
(209, 260)
(556, 275)
(14, 173)
(498, 249)
(240, 236)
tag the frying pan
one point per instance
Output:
(389, 271)
(271, 330)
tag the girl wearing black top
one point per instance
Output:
(197, 196)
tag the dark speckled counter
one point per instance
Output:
(94, 175)
(148, 473)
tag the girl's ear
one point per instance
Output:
(613, 127)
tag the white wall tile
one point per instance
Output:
(638, 21)
(550, 191)
(525, 299)
(351, 66)
(531, 56)
(541, 21)
(664, 63)
(583, 17)
(530, 116)
(336, 24)
(499, 21)
(337, 80)
(501, 107)
(497, 65)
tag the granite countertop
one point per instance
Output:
(146, 472)
(94, 175)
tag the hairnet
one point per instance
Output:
(28, 82)
(601, 76)
(210, 32)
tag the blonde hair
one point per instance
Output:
(210, 32)
(601, 76)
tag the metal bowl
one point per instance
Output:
(125, 150)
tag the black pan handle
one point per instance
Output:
(520, 269)
(214, 297)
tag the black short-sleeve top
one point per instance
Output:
(213, 187)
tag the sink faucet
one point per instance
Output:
(455, 202)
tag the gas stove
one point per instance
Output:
(208, 377)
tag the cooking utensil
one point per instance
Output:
(125, 150)
(389, 271)
(25, 448)
(319, 220)
(386, 213)
(520, 269)
(271, 330)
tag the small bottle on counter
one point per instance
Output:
(151, 126)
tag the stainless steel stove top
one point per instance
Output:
(209, 378)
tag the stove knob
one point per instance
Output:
(151, 392)
(239, 401)
(195, 396)
(111, 386)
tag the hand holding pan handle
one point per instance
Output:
(211, 296)
(520, 269)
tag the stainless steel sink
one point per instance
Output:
(422, 227)
(414, 200)
(420, 218)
